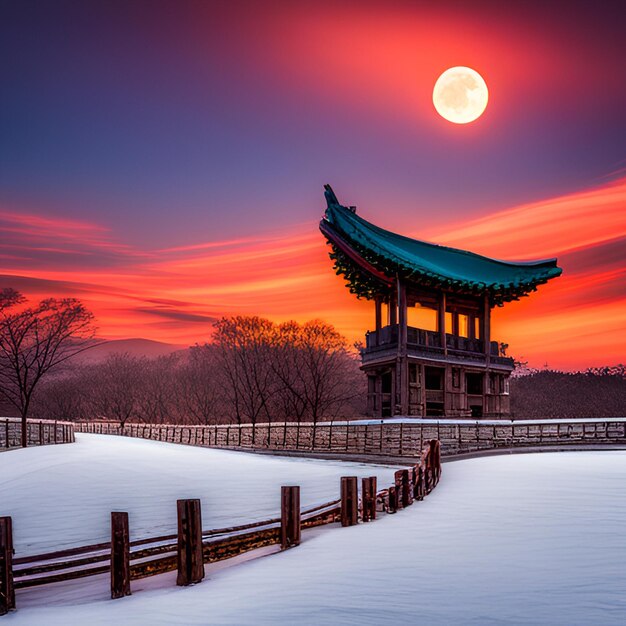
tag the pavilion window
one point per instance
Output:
(463, 325)
(449, 322)
(422, 317)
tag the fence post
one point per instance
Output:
(290, 526)
(190, 558)
(407, 496)
(349, 501)
(398, 485)
(435, 460)
(7, 590)
(369, 498)
(392, 504)
(120, 555)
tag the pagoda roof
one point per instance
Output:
(371, 258)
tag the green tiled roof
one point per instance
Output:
(385, 253)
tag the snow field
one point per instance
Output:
(523, 539)
(61, 496)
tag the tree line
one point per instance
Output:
(252, 371)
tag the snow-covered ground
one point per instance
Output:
(524, 539)
(61, 496)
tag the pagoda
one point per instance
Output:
(431, 352)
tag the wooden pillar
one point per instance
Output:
(378, 410)
(455, 323)
(393, 308)
(190, 559)
(290, 526)
(486, 329)
(471, 326)
(441, 321)
(369, 498)
(120, 555)
(403, 365)
(7, 590)
(349, 501)
(379, 316)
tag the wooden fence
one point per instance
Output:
(191, 548)
(377, 439)
(39, 432)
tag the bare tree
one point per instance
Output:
(198, 385)
(156, 388)
(323, 375)
(243, 346)
(36, 340)
(114, 388)
(61, 396)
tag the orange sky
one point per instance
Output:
(173, 294)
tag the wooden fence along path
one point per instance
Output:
(376, 439)
(191, 548)
(40, 432)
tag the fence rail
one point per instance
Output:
(191, 548)
(402, 439)
(39, 432)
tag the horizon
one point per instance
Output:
(166, 167)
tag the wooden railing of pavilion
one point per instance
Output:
(40, 432)
(191, 547)
(385, 439)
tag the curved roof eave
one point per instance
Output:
(392, 254)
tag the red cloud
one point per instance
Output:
(173, 294)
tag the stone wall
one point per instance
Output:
(378, 439)
(40, 432)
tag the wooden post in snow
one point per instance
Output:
(398, 485)
(120, 555)
(435, 460)
(290, 526)
(369, 498)
(349, 501)
(392, 504)
(190, 559)
(7, 590)
(406, 495)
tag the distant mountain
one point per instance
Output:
(135, 347)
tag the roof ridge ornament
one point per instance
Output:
(331, 198)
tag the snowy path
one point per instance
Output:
(524, 539)
(62, 496)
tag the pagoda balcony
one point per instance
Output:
(427, 343)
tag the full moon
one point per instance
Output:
(460, 95)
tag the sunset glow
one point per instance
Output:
(174, 294)
(176, 176)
